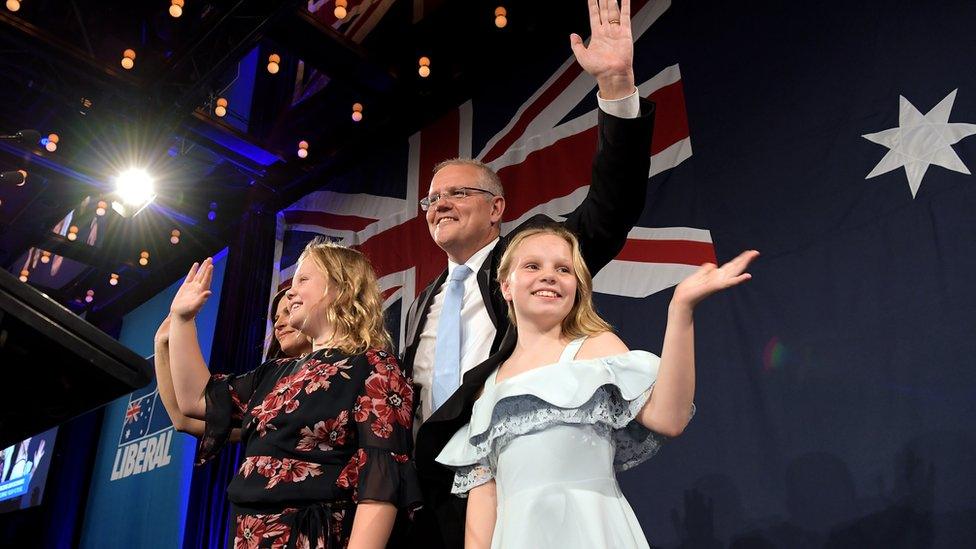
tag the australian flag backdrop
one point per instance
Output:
(836, 389)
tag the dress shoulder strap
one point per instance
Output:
(569, 353)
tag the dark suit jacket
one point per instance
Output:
(611, 208)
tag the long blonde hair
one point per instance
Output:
(357, 312)
(582, 319)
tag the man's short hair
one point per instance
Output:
(489, 180)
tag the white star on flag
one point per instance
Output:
(920, 141)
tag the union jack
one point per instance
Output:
(132, 412)
(543, 157)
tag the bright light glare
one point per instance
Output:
(135, 187)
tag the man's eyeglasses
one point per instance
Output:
(454, 194)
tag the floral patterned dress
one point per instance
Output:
(320, 434)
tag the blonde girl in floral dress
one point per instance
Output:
(326, 436)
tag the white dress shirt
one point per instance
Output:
(477, 331)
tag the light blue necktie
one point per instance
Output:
(447, 351)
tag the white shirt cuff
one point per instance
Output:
(625, 107)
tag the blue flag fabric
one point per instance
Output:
(833, 388)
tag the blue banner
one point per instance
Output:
(141, 478)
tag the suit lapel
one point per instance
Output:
(473, 380)
(487, 285)
(420, 318)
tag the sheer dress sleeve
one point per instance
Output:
(382, 469)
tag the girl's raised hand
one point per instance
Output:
(709, 279)
(194, 292)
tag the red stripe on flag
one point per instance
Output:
(325, 219)
(564, 167)
(541, 102)
(409, 244)
(671, 119)
(568, 160)
(684, 252)
(390, 291)
(438, 142)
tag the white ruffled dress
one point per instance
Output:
(552, 438)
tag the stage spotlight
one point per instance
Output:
(424, 69)
(144, 258)
(174, 236)
(176, 9)
(341, 10)
(501, 17)
(45, 256)
(100, 209)
(89, 296)
(73, 233)
(13, 5)
(113, 279)
(302, 149)
(357, 112)
(273, 63)
(52, 142)
(134, 187)
(23, 275)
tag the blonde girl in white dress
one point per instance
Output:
(571, 405)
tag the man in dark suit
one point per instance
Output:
(460, 320)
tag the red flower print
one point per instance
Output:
(251, 529)
(392, 398)
(291, 406)
(383, 362)
(267, 466)
(400, 458)
(250, 532)
(284, 391)
(263, 418)
(247, 467)
(317, 374)
(281, 396)
(381, 428)
(326, 435)
(294, 470)
(362, 408)
(349, 476)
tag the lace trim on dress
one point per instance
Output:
(522, 414)
(470, 477)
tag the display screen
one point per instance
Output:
(23, 470)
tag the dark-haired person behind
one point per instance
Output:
(326, 437)
(286, 342)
